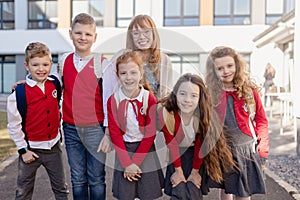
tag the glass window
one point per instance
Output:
(275, 9)
(185, 63)
(182, 12)
(7, 14)
(7, 73)
(232, 12)
(126, 9)
(42, 14)
(94, 7)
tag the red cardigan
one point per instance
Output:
(117, 127)
(242, 117)
(173, 141)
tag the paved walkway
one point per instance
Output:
(277, 189)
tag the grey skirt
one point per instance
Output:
(148, 187)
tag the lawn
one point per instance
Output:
(7, 146)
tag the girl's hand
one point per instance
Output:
(29, 156)
(132, 172)
(177, 177)
(195, 178)
(105, 145)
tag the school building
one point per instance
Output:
(263, 31)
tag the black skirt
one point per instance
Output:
(149, 186)
(187, 190)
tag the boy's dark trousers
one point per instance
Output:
(53, 163)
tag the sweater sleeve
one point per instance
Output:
(116, 134)
(171, 142)
(261, 127)
(149, 133)
(198, 157)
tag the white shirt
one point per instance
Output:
(189, 134)
(133, 133)
(15, 121)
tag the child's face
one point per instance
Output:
(142, 37)
(39, 68)
(130, 76)
(83, 37)
(188, 97)
(225, 69)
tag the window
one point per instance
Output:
(126, 9)
(185, 63)
(181, 12)
(42, 14)
(232, 12)
(94, 7)
(7, 14)
(276, 8)
(7, 73)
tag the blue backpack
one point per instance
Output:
(21, 100)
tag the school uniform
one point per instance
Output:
(184, 148)
(248, 178)
(42, 132)
(132, 131)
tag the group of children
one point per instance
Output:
(208, 126)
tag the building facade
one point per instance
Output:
(188, 29)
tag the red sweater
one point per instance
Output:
(242, 117)
(173, 141)
(82, 100)
(117, 127)
(42, 117)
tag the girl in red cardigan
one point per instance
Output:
(132, 127)
(186, 116)
(239, 106)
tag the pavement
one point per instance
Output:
(277, 189)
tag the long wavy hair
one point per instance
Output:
(152, 56)
(242, 82)
(217, 155)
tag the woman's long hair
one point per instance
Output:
(214, 149)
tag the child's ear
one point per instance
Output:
(26, 66)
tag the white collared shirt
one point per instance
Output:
(133, 133)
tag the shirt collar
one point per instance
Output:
(33, 83)
(139, 97)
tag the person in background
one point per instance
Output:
(239, 106)
(36, 132)
(269, 75)
(132, 127)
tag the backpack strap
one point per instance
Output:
(169, 120)
(22, 107)
(57, 87)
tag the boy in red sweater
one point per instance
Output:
(37, 137)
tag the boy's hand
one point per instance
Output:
(13, 87)
(132, 172)
(105, 145)
(29, 156)
(195, 178)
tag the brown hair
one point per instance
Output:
(83, 18)
(214, 146)
(36, 49)
(241, 81)
(153, 55)
(135, 56)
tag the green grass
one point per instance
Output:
(7, 146)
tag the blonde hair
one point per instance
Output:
(36, 49)
(83, 18)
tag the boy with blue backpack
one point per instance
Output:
(34, 123)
